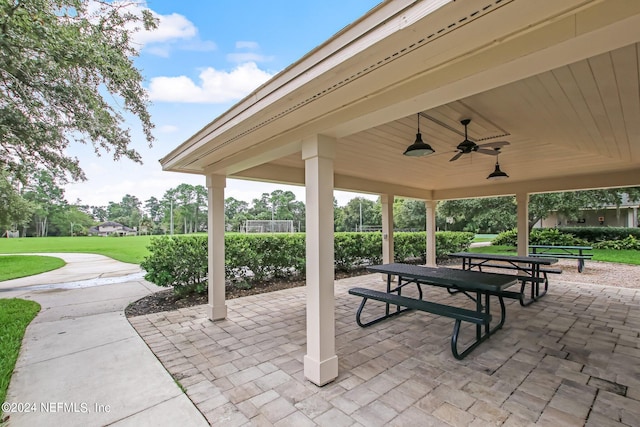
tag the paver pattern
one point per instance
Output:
(572, 359)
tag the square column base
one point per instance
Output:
(217, 312)
(321, 373)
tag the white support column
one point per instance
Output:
(387, 228)
(431, 232)
(522, 199)
(217, 309)
(320, 362)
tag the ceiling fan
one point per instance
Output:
(467, 146)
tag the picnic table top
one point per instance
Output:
(442, 276)
(507, 258)
(560, 247)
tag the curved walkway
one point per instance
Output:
(81, 362)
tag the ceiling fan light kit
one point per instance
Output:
(419, 148)
(467, 146)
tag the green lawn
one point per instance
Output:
(484, 237)
(130, 249)
(606, 255)
(15, 266)
(15, 316)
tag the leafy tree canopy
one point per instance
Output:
(58, 61)
(15, 211)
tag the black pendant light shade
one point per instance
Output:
(419, 147)
(497, 174)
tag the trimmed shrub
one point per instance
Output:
(599, 234)
(412, 245)
(356, 249)
(540, 236)
(554, 236)
(181, 261)
(506, 238)
(448, 242)
(629, 242)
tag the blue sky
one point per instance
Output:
(204, 57)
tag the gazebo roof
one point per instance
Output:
(560, 81)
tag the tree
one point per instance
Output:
(189, 203)
(261, 208)
(153, 209)
(235, 212)
(570, 204)
(169, 206)
(47, 197)
(409, 214)
(360, 212)
(484, 215)
(58, 61)
(127, 212)
(285, 206)
(15, 211)
(70, 220)
(99, 213)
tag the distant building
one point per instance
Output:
(111, 228)
(625, 215)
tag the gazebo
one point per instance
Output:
(559, 81)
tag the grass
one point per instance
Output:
(15, 266)
(15, 316)
(484, 237)
(625, 256)
(131, 249)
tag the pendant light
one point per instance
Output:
(419, 148)
(497, 174)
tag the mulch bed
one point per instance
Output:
(167, 301)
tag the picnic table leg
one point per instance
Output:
(546, 284)
(479, 309)
(580, 265)
(480, 337)
(523, 287)
(378, 319)
(503, 315)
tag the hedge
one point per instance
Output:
(571, 236)
(181, 261)
(600, 234)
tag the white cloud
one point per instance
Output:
(247, 45)
(240, 58)
(199, 46)
(168, 129)
(162, 51)
(170, 27)
(215, 86)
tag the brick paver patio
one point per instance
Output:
(571, 359)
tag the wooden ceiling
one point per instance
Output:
(580, 118)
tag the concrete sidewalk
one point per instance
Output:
(81, 362)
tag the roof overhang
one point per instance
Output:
(558, 80)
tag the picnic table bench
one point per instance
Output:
(559, 251)
(473, 284)
(529, 270)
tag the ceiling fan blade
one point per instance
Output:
(492, 152)
(494, 144)
(456, 157)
